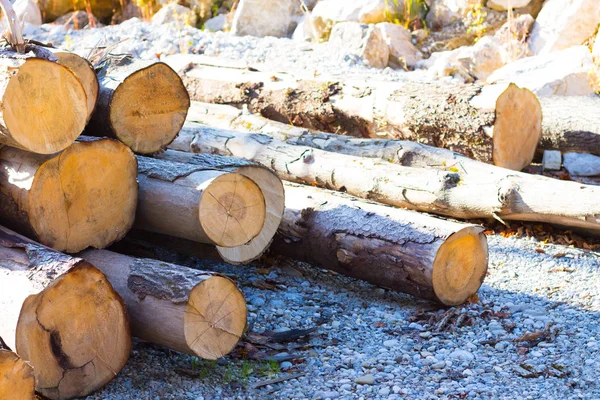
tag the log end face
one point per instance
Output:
(232, 210)
(75, 334)
(460, 266)
(215, 318)
(44, 107)
(517, 128)
(149, 108)
(84, 71)
(86, 197)
(16, 377)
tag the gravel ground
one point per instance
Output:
(370, 342)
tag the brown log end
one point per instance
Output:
(75, 334)
(274, 196)
(16, 377)
(460, 266)
(232, 210)
(517, 128)
(85, 197)
(44, 107)
(84, 71)
(149, 108)
(215, 317)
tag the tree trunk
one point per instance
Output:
(101, 9)
(84, 71)
(16, 376)
(84, 196)
(204, 203)
(402, 250)
(141, 103)
(267, 181)
(44, 106)
(497, 124)
(458, 187)
(62, 316)
(571, 123)
(194, 312)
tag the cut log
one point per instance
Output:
(571, 123)
(498, 124)
(84, 71)
(194, 312)
(141, 103)
(16, 376)
(62, 316)
(270, 186)
(84, 196)
(44, 106)
(402, 250)
(201, 202)
(430, 179)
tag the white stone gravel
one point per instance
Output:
(373, 347)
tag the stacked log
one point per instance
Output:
(16, 376)
(195, 312)
(496, 124)
(450, 185)
(141, 103)
(62, 316)
(83, 196)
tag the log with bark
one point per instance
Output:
(269, 184)
(194, 312)
(205, 202)
(44, 105)
(16, 376)
(399, 249)
(83, 196)
(62, 316)
(498, 124)
(429, 179)
(141, 103)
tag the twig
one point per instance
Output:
(277, 380)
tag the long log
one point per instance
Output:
(270, 186)
(194, 312)
(16, 376)
(44, 106)
(83, 196)
(204, 202)
(458, 188)
(497, 124)
(62, 316)
(141, 103)
(402, 250)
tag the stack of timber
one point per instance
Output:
(61, 315)
(16, 376)
(498, 124)
(409, 175)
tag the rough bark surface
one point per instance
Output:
(461, 189)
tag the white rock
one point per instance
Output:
(399, 42)
(365, 380)
(217, 23)
(596, 48)
(305, 30)
(504, 5)
(564, 23)
(580, 164)
(366, 41)
(564, 73)
(28, 11)
(446, 12)
(262, 18)
(176, 13)
(517, 28)
(552, 160)
(486, 57)
(391, 343)
(365, 11)
(462, 355)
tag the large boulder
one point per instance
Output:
(329, 12)
(305, 31)
(218, 23)
(504, 5)
(174, 13)
(262, 18)
(564, 23)
(399, 41)
(446, 12)
(564, 73)
(580, 164)
(366, 41)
